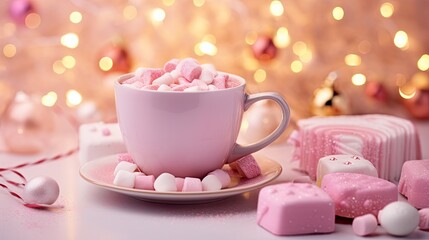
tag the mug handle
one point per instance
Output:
(241, 151)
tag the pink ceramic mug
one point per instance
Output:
(188, 134)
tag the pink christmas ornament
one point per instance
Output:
(41, 190)
(376, 91)
(120, 58)
(19, 9)
(26, 125)
(264, 49)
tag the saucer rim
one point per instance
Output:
(272, 173)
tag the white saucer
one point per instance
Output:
(100, 173)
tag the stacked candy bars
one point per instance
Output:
(386, 141)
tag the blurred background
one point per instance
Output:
(326, 57)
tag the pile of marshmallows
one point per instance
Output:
(127, 175)
(185, 75)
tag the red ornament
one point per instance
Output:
(264, 49)
(119, 56)
(376, 91)
(418, 105)
(19, 9)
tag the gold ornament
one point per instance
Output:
(327, 101)
(418, 104)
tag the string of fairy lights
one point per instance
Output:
(208, 45)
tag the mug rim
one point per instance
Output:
(118, 83)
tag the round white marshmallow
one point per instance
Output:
(211, 183)
(399, 218)
(126, 166)
(124, 178)
(165, 182)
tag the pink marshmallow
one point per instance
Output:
(424, 219)
(358, 194)
(189, 68)
(230, 83)
(192, 185)
(295, 208)
(171, 65)
(150, 74)
(179, 183)
(219, 81)
(414, 182)
(223, 177)
(124, 157)
(144, 182)
(247, 167)
(364, 225)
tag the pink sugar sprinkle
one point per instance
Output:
(106, 132)
(124, 157)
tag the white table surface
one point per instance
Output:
(93, 213)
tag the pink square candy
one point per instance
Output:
(295, 208)
(414, 182)
(358, 194)
(247, 167)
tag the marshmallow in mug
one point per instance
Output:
(185, 75)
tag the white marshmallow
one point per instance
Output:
(139, 72)
(399, 218)
(212, 87)
(209, 67)
(125, 166)
(223, 177)
(192, 89)
(211, 183)
(165, 182)
(164, 88)
(124, 179)
(166, 79)
(207, 76)
(175, 74)
(201, 85)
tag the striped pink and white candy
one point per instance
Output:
(386, 141)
